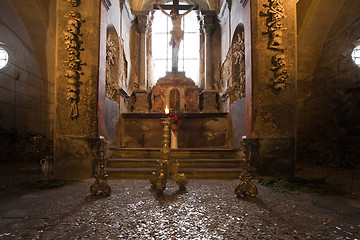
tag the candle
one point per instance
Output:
(166, 110)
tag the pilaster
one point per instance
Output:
(142, 27)
(201, 53)
(209, 26)
(141, 103)
(209, 95)
(273, 85)
(76, 84)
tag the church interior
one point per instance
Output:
(215, 89)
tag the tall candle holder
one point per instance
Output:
(166, 168)
(245, 187)
(101, 176)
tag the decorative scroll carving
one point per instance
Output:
(275, 14)
(233, 70)
(111, 87)
(73, 63)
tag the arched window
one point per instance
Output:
(189, 47)
(356, 55)
(4, 58)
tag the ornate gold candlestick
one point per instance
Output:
(166, 168)
(245, 187)
(101, 176)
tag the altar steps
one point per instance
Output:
(195, 163)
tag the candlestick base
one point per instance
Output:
(166, 169)
(245, 187)
(101, 176)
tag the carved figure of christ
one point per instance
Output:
(177, 33)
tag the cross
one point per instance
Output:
(177, 34)
(175, 6)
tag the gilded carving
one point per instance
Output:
(233, 70)
(73, 63)
(123, 65)
(110, 52)
(245, 187)
(112, 87)
(116, 67)
(166, 168)
(101, 176)
(74, 3)
(275, 14)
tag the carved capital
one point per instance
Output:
(209, 21)
(142, 23)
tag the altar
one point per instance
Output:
(176, 91)
(197, 130)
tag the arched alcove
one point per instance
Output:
(174, 100)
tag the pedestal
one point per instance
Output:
(209, 101)
(163, 93)
(141, 104)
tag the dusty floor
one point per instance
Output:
(208, 209)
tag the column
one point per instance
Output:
(209, 29)
(141, 95)
(75, 136)
(142, 29)
(209, 95)
(271, 85)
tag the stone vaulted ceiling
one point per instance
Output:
(145, 5)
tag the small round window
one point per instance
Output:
(4, 57)
(356, 55)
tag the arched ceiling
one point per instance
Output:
(145, 5)
(314, 31)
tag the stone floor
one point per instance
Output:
(207, 209)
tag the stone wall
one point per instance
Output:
(27, 82)
(76, 135)
(198, 130)
(325, 108)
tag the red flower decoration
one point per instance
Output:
(176, 115)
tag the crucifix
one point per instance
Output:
(177, 33)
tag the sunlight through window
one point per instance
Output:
(189, 47)
(356, 55)
(4, 57)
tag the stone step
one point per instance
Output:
(190, 173)
(180, 153)
(194, 162)
(184, 163)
